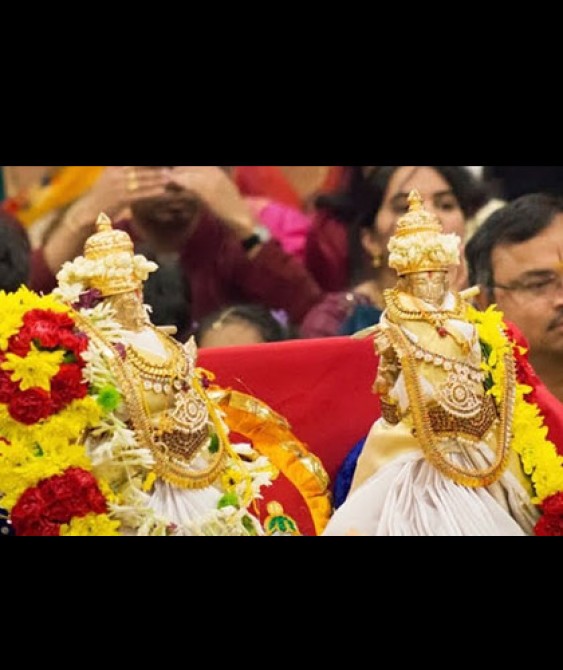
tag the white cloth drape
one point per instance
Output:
(410, 497)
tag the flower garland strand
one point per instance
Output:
(538, 455)
(46, 480)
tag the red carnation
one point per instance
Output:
(7, 387)
(41, 510)
(551, 523)
(77, 342)
(20, 343)
(30, 406)
(59, 319)
(46, 327)
(67, 385)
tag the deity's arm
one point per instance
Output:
(389, 367)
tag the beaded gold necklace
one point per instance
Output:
(436, 317)
(466, 476)
(172, 460)
(396, 313)
(161, 377)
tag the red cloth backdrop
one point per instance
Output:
(322, 387)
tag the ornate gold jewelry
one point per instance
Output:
(476, 427)
(424, 428)
(448, 364)
(445, 424)
(437, 318)
(419, 244)
(113, 268)
(160, 378)
(183, 433)
(390, 411)
(377, 261)
(459, 396)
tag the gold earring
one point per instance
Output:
(377, 261)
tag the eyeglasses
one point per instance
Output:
(545, 286)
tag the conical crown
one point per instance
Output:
(419, 245)
(111, 255)
(417, 219)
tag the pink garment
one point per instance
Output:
(286, 224)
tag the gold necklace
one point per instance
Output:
(436, 317)
(161, 377)
(471, 477)
(172, 460)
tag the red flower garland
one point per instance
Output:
(51, 331)
(42, 510)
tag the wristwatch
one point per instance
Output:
(260, 235)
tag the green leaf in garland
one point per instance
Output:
(108, 398)
(486, 351)
(248, 525)
(37, 450)
(228, 500)
(214, 444)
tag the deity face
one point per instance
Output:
(431, 287)
(130, 310)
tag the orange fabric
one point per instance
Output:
(265, 181)
(68, 184)
(303, 494)
(268, 181)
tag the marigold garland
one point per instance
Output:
(539, 457)
(46, 405)
(69, 464)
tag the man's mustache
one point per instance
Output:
(558, 321)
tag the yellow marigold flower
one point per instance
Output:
(36, 369)
(230, 478)
(539, 457)
(91, 524)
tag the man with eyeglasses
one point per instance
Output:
(516, 257)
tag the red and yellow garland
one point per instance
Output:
(538, 455)
(46, 483)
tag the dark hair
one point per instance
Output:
(363, 197)
(345, 204)
(272, 327)
(512, 181)
(169, 295)
(15, 253)
(519, 221)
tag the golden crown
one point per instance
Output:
(106, 240)
(419, 245)
(417, 219)
(114, 267)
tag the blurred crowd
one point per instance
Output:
(252, 254)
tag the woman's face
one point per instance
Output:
(438, 198)
(437, 195)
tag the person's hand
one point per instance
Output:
(219, 194)
(117, 188)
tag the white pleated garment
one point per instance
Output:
(409, 497)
